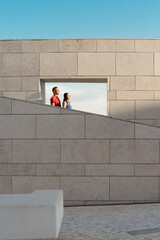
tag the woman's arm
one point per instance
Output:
(64, 104)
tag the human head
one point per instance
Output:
(55, 91)
(66, 96)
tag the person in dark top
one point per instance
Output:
(54, 99)
(66, 102)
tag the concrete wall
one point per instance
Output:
(130, 66)
(94, 159)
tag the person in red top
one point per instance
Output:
(54, 99)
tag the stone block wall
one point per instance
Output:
(130, 67)
(94, 159)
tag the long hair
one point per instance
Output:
(65, 97)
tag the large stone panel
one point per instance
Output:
(12, 46)
(134, 188)
(147, 169)
(48, 45)
(58, 64)
(21, 107)
(1, 64)
(30, 64)
(122, 109)
(68, 111)
(144, 131)
(77, 45)
(146, 121)
(96, 64)
(157, 95)
(85, 188)
(5, 151)
(156, 123)
(1, 46)
(135, 95)
(12, 65)
(17, 169)
(115, 45)
(60, 169)
(147, 45)
(157, 63)
(36, 151)
(111, 95)
(109, 170)
(16, 95)
(60, 126)
(5, 185)
(34, 96)
(10, 84)
(147, 109)
(147, 83)
(5, 106)
(85, 151)
(134, 64)
(17, 126)
(121, 83)
(27, 184)
(134, 151)
(30, 83)
(104, 127)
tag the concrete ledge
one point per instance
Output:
(31, 216)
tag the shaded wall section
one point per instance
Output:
(131, 67)
(93, 158)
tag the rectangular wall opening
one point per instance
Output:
(85, 95)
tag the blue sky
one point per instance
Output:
(25, 19)
(53, 19)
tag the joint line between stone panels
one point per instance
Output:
(109, 187)
(153, 64)
(158, 188)
(60, 151)
(85, 126)
(135, 110)
(35, 172)
(11, 151)
(11, 105)
(21, 82)
(11, 184)
(39, 62)
(135, 85)
(21, 45)
(159, 151)
(154, 95)
(134, 45)
(77, 63)
(109, 151)
(60, 182)
(58, 45)
(36, 126)
(115, 64)
(109, 112)
(81, 138)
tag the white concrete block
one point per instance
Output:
(31, 216)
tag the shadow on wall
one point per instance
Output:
(143, 111)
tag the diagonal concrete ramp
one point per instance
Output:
(94, 159)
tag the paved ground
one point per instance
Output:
(120, 222)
